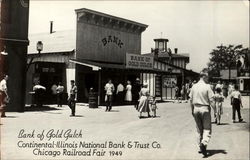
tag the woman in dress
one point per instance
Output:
(128, 96)
(143, 102)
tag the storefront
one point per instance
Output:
(103, 47)
(102, 42)
(52, 65)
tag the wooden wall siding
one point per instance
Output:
(90, 43)
(179, 62)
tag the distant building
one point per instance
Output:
(164, 84)
(238, 74)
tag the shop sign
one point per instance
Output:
(169, 82)
(139, 62)
(45, 69)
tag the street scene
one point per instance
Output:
(124, 80)
(173, 128)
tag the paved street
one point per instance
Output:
(173, 130)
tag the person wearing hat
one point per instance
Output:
(144, 103)
(201, 99)
(72, 98)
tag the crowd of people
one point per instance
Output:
(182, 95)
(203, 96)
(138, 95)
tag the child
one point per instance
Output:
(153, 106)
(218, 98)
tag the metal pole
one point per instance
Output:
(99, 86)
(171, 84)
(229, 73)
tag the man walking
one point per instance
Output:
(201, 99)
(236, 103)
(4, 98)
(109, 88)
(72, 98)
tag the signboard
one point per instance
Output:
(169, 82)
(139, 61)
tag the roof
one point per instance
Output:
(85, 10)
(99, 64)
(166, 55)
(161, 39)
(59, 41)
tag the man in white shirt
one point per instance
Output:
(4, 98)
(201, 99)
(39, 94)
(109, 88)
(236, 103)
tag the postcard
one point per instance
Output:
(124, 80)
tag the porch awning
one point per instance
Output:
(98, 65)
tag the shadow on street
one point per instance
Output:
(222, 124)
(43, 108)
(9, 117)
(216, 151)
(77, 116)
(114, 111)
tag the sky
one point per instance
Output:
(194, 27)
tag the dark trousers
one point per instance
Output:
(2, 103)
(59, 99)
(38, 97)
(109, 102)
(119, 97)
(236, 107)
(72, 105)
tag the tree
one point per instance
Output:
(224, 57)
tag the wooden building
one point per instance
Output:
(102, 47)
(163, 85)
(14, 20)
(52, 65)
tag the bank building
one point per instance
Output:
(102, 47)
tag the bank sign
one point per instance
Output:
(139, 61)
